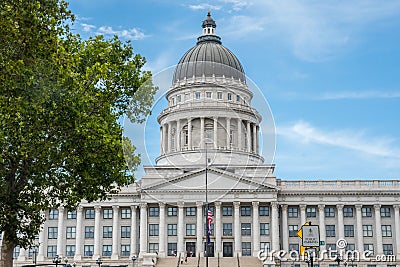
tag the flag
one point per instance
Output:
(209, 222)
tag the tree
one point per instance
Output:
(60, 101)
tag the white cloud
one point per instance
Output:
(358, 95)
(132, 34)
(237, 5)
(204, 6)
(87, 27)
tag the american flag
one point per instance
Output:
(210, 221)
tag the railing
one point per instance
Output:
(344, 184)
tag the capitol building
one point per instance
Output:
(210, 154)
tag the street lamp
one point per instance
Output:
(133, 258)
(99, 261)
(57, 260)
(338, 259)
(66, 262)
(74, 264)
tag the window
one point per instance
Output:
(347, 212)
(71, 232)
(311, 212)
(229, 96)
(227, 229)
(208, 94)
(367, 230)
(331, 247)
(219, 95)
(246, 229)
(245, 211)
(264, 228)
(53, 214)
(172, 211)
(153, 212)
(329, 212)
(386, 230)
(191, 211)
(226, 210)
(369, 247)
(89, 231)
(330, 230)
(350, 247)
(349, 230)
(190, 229)
(179, 98)
(70, 250)
(265, 246)
(388, 249)
(293, 212)
(172, 247)
(246, 248)
(107, 214)
(187, 97)
(172, 229)
(71, 214)
(88, 250)
(33, 250)
(153, 247)
(153, 229)
(107, 231)
(385, 212)
(125, 231)
(293, 229)
(211, 208)
(16, 252)
(89, 214)
(125, 250)
(197, 95)
(173, 101)
(237, 98)
(52, 233)
(107, 250)
(366, 212)
(263, 211)
(51, 251)
(211, 230)
(294, 247)
(126, 213)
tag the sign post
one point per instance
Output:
(310, 241)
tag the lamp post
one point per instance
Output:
(66, 262)
(133, 258)
(338, 259)
(57, 260)
(74, 264)
(99, 261)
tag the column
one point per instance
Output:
(199, 223)
(228, 133)
(378, 229)
(339, 208)
(256, 229)
(161, 141)
(322, 232)
(239, 126)
(180, 230)
(360, 245)
(189, 133)
(41, 241)
(237, 229)
(274, 226)
(218, 228)
(164, 139)
(96, 249)
(202, 132)
(254, 138)
(115, 236)
(215, 141)
(169, 138)
(248, 137)
(79, 236)
(178, 135)
(302, 214)
(143, 230)
(397, 228)
(60, 233)
(161, 243)
(133, 231)
(257, 139)
(285, 228)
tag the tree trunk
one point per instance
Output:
(7, 250)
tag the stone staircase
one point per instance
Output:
(212, 262)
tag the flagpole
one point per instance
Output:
(207, 208)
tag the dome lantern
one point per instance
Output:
(209, 25)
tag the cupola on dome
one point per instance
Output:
(209, 58)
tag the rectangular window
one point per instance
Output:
(265, 246)
(246, 248)
(88, 250)
(191, 211)
(293, 229)
(331, 247)
(71, 214)
(179, 97)
(211, 230)
(153, 212)
(263, 211)
(369, 247)
(89, 214)
(125, 231)
(52, 233)
(187, 97)
(211, 208)
(226, 210)
(126, 213)
(245, 211)
(153, 247)
(172, 229)
(264, 228)
(172, 211)
(190, 229)
(293, 212)
(125, 250)
(51, 251)
(16, 252)
(107, 213)
(294, 247)
(89, 231)
(32, 251)
(219, 95)
(347, 212)
(350, 247)
(367, 230)
(387, 249)
(386, 230)
(107, 231)
(230, 96)
(208, 94)
(329, 212)
(237, 98)
(153, 229)
(197, 95)
(349, 230)
(70, 250)
(385, 212)
(107, 250)
(53, 214)
(330, 230)
(366, 212)
(173, 101)
(172, 249)
(71, 232)
(311, 212)
(227, 229)
(246, 229)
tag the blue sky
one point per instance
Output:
(330, 71)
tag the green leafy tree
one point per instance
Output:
(60, 101)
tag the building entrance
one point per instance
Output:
(191, 249)
(227, 249)
(209, 248)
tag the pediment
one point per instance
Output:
(217, 180)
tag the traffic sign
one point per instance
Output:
(300, 232)
(321, 243)
(310, 236)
